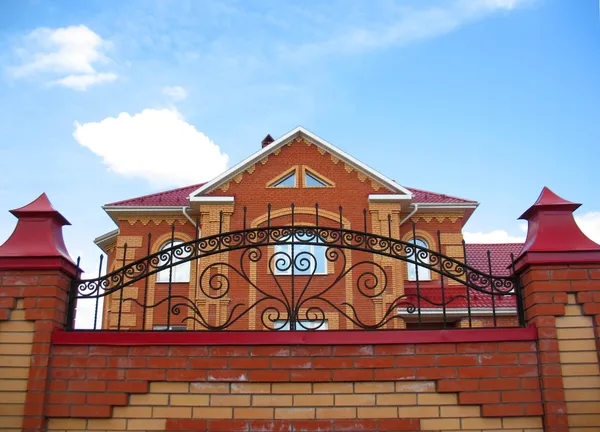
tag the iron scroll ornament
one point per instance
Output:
(285, 307)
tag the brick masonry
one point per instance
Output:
(483, 386)
(251, 190)
(549, 383)
(491, 386)
(563, 301)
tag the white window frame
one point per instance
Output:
(412, 269)
(321, 183)
(171, 327)
(317, 251)
(282, 325)
(278, 183)
(180, 272)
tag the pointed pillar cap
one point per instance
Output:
(548, 200)
(37, 241)
(553, 236)
(40, 207)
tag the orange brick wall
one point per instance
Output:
(554, 295)
(250, 189)
(487, 386)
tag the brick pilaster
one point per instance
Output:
(35, 278)
(559, 269)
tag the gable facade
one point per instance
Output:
(242, 197)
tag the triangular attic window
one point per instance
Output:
(287, 181)
(311, 180)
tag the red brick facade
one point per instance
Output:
(348, 187)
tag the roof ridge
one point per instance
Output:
(169, 191)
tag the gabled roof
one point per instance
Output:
(422, 196)
(316, 140)
(179, 197)
(499, 255)
(173, 197)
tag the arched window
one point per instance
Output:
(314, 262)
(180, 272)
(423, 272)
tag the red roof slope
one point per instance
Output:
(499, 254)
(178, 197)
(431, 296)
(173, 197)
(423, 196)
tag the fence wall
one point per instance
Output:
(544, 377)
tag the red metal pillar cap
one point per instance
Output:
(553, 236)
(38, 235)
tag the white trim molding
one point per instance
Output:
(448, 206)
(280, 142)
(389, 198)
(213, 199)
(106, 239)
(432, 314)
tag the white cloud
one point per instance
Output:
(403, 25)
(589, 223)
(70, 53)
(496, 236)
(157, 145)
(82, 82)
(176, 93)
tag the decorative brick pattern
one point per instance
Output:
(563, 301)
(441, 385)
(579, 366)
(16, 341)
(37, 306)
(336, 406)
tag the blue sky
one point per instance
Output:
(484, 99)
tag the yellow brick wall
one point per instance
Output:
(360, 400)
(580, 370)
(16, 339)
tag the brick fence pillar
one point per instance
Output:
(559, 269)
(35, 276)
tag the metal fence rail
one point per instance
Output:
(308, 268)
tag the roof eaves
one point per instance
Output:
(125, 209)
(465, 205)
(122, 203)
(280, 142)
(107, 239)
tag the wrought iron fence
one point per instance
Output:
(300, 277)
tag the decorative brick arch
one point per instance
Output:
(156, 246)
(300, 210)
(431, 244)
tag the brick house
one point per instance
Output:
(301, 179)
(541, 376)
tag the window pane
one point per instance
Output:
(424, 272)
(308, 256)
(304, 326)
(312, 181)
(179, 272)
(289, 181)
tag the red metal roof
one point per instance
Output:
(423, 196)
(173, 197)
(499, 254)
(500, 257)
(178, 197)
